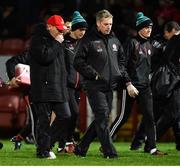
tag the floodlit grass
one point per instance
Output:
(26, 156)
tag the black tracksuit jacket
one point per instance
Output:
(71, 47)
(103, 56)
(139, 63)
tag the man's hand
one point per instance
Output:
(59, 38)
(132, 91)
(14, 82)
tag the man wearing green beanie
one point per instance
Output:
(138, 52)
(78, 21)
(72, 39)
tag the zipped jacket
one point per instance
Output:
(71, 47)
(103, 56)
(138, 53)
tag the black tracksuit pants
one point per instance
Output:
(46, 135)
(101, 104)
(74, 109)
(145, 104)
(167, 114)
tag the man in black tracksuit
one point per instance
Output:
(71, 41)
(48, 83)
(138, 59)
(100, 60)
(167, 110)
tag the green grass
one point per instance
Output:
(26, 156)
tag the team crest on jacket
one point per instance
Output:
(98, 46)
(114, 47)
(71, 47)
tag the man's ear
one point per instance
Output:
(49, 26)
(98, 23)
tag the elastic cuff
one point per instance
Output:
(128, 83)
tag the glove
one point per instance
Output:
(59, 38)
(132, 91)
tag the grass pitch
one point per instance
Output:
(26, 156)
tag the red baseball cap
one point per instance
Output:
(57, 21)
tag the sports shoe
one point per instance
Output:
(136, 146)
(51, 155)
(69, 148)
(158, 153)
(46, 154)
(79, 152)
(17, 143)
(1, 145)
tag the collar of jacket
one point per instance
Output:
(68, 38)
(99, 34)
(140, 39)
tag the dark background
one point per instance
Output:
(18, 16)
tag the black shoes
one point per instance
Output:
(158, 153)
(79, 152)
(136, 145)
(46, 154)
(146, 149)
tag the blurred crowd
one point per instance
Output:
(18, 16)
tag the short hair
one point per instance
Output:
(103, 14)
(170, 25)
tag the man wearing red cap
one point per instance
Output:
(48, 83)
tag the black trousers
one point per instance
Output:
(170, 117)
(74, 109)
(167, 114)
(101, 104)
(145, 103)
(46, 135)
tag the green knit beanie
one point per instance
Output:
(142, 21)
(78, 21)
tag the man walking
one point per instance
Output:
(100, 60)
